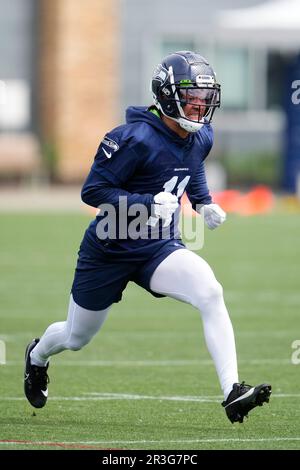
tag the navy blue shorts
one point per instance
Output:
(100, 280)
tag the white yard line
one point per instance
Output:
(175, 441)
(97, 396)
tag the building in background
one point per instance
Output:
(59, 75)
(70, 68)
(19, 149)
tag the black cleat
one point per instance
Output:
(243, 398)
(35, 380)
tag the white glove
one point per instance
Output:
(213, 215)
(165, 204)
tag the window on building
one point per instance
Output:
(17, 65)
(14, 105)
(232, 69)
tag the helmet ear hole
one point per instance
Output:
(171, 109)
(169, 106)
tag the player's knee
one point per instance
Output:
(212, 293)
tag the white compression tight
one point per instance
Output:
(74, 333)
(185, 276)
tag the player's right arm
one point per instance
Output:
(98, 190)
(114, 165)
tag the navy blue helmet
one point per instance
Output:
(185, 89)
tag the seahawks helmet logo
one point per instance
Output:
(110, 143)
(160, 74)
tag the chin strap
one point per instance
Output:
(190, 126)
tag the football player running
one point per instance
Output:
(150, 161)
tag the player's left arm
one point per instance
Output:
(199, 194)
(202, 202)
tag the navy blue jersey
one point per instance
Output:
(136, 161)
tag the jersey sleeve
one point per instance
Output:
(197, 191)
(98, 190)
(114, 164)
(207, 140)
(115, 159)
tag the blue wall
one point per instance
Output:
(291, 162)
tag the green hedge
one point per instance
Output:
(254, 168)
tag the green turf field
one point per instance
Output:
(146, 381)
